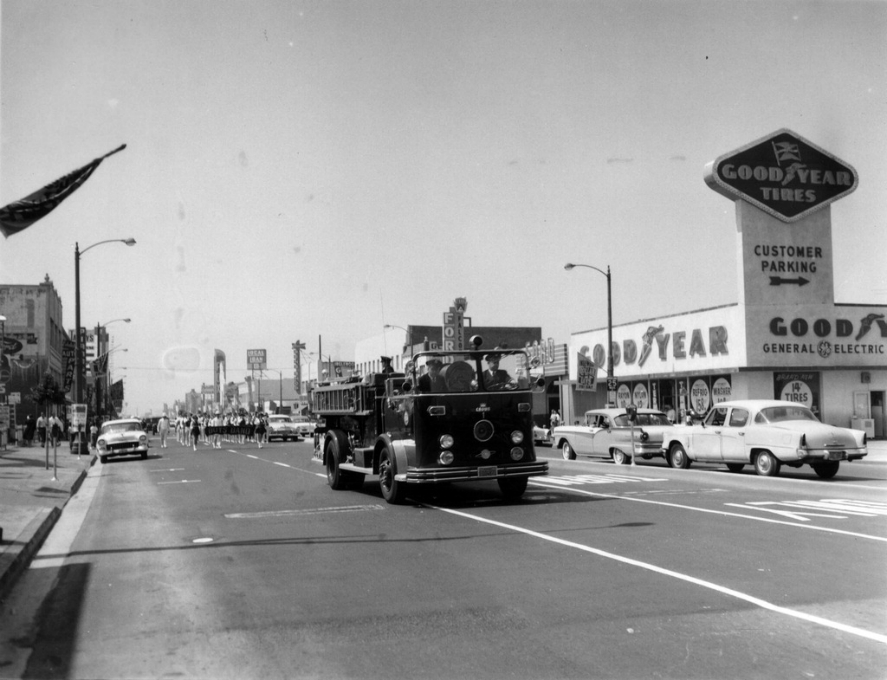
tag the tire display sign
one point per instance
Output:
(802, 387)
(783, 174)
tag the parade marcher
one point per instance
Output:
(163, 429)
(195, 431)
(216, 438)
(260, 429)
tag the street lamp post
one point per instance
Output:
(610, 394)
(78, 359)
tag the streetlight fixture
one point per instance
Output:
(570, 266)
(78, 359)
(409, 333)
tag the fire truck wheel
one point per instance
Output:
(334, 475)
(392, 491)
(513, 487)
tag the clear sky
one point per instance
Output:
(296, 169)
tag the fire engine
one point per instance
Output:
(452, 416)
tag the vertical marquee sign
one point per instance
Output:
(454, 326)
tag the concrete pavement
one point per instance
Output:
(31, 501)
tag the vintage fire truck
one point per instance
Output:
(451, 417)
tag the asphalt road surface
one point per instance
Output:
(243, 563)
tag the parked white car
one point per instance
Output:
(766, 433)
(607, 433)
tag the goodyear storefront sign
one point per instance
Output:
(783, 174)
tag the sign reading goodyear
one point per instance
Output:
(783, 174)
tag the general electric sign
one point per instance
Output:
(783, 174)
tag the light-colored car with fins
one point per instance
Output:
(122, 438)
(607, 433)
(767, 434)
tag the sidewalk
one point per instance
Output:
(31, 501)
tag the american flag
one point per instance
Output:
(20, 215)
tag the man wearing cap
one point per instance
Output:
(386, 365)
(433, 381)
(494, 377)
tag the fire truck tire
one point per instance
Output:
(513, 487)
(393, 491)
(337, 478)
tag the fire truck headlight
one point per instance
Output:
(486, 454)
(517, 453)
(517, 437)
(446, 458)
(446, 441)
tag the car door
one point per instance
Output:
(706, 442)
(733, 448)
(601, 437)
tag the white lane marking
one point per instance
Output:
(281, 464)
(723, 513)
(309, 511)
(168, 470)
(853, 630)
(181, 481)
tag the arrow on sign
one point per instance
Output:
(778, 281)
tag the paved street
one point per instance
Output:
(243, 563)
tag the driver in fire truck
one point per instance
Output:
(495, 378)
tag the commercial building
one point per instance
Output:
(786, 337)
(33, 343)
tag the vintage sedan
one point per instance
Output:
(607, 433)
(541, 435)
(282, 427)
(304, 426)
(767, 434)
(122, 438)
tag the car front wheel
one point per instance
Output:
(766, 464)
(567, 451)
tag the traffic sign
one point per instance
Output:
(612, 384)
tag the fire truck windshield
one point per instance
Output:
(494, 371)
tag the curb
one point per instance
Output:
(32, 537)
(38, 529)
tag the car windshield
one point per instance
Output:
(121, 427)
(441, 372)
(779, 414)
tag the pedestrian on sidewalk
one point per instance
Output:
(93, 433)
(30, 428)
(41, 429)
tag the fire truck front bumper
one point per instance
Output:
(471, 474)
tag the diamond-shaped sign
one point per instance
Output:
(783, 174)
